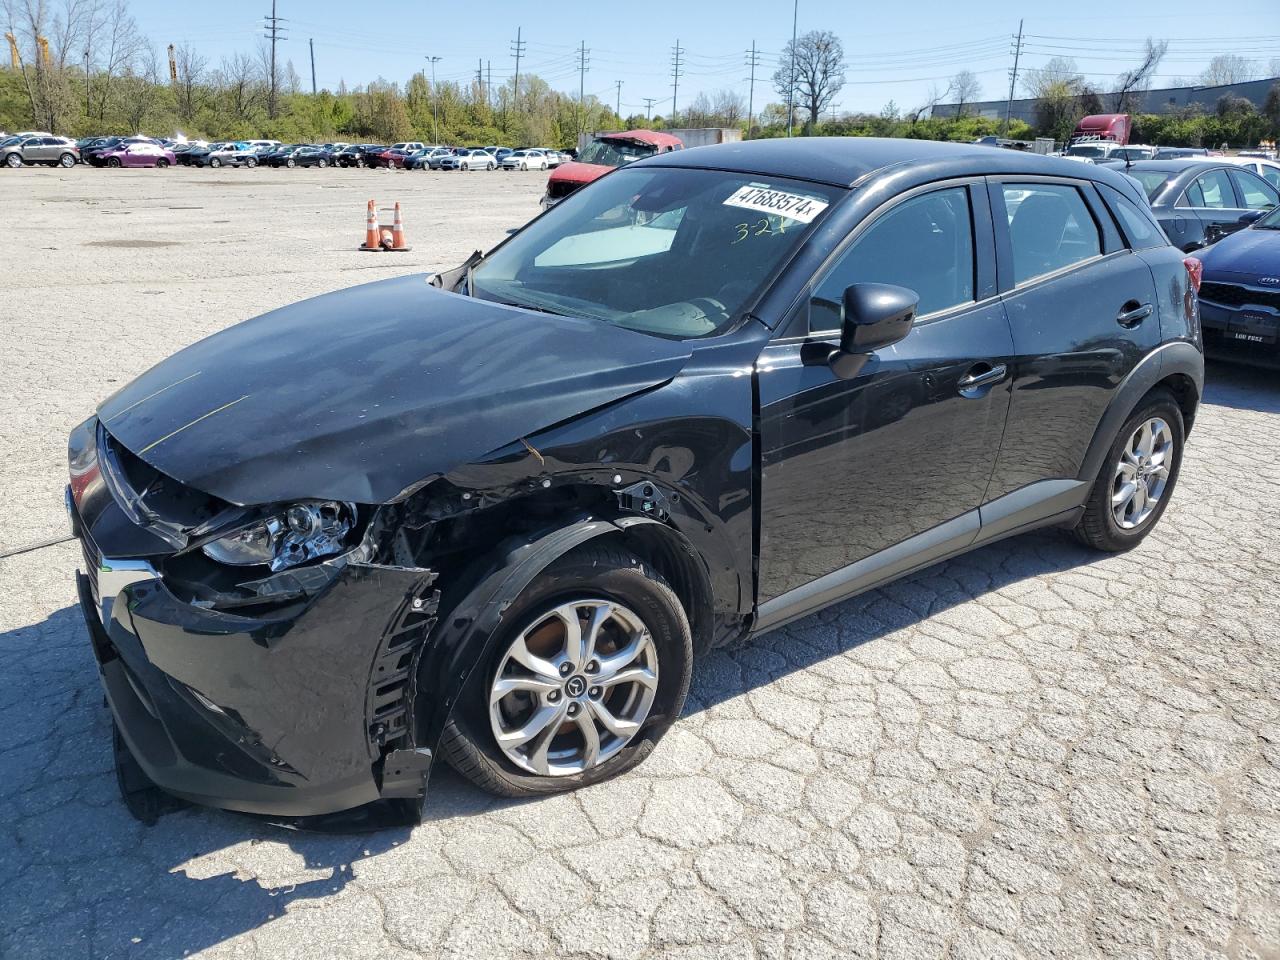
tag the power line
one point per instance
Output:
(435, 97)
(517, 51)
(584, 61)
(676, 53)
(648, 107)
(753, 61)
(1013, 79)
(274, 34)
(791, 70)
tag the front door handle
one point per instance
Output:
(980, 376)
(1133, 313)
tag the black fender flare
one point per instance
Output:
(1180, 357)
(469, 625)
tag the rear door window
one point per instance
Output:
(1210, 191)
(1256, 193)
(1050, 228)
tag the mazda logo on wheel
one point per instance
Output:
(576, 687)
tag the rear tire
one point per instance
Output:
(161, 163)
(610, 578)
(1137, 478)
(251, 163)
(113, 162)
(215, 163)
(67, 160)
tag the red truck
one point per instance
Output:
(603, 154)
(1114, 127)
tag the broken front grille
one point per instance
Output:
(1235, 295)
(92, 562)
(559, 189)
(391, 683)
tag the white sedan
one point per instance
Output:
(469, 160)
(525, 160)
(1268, 170)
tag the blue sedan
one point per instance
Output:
(1240, 293)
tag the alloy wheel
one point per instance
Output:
(1142, 473)
(574, 687)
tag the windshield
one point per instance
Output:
(614, 153)
(1151, 180)
(670, 251)
(1092, 152)
(1271, 221)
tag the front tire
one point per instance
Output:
(1137, 478)
(13, 161)
(215, 163)
(251, 163)
(114, 162)
(590, 673)
(161, 163)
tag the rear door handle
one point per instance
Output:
(979, 376)
(1133, 313)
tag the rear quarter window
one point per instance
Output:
(1140, 231)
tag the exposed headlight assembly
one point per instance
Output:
(301, 532)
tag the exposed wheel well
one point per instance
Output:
(456, 543)
(1184, 391)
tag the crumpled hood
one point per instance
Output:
(1245, 253)
(576, 172)
(359, 394)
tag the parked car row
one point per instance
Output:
(139, 151)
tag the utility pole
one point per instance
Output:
(1013, 79)
(517, 50)
(274, 34)
(648, 108)
(791, 71)
(312, 43)
(488, 65)
(87, 106)
(753, 61)
(173, 67)
(676, 53)
(618, 108)
(480, 74)
(583, 61)
(434, 97)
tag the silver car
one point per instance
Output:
(54, 151)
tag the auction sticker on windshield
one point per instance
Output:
(793, 206)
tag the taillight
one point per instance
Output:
(1195, 271)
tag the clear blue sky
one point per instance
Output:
(894, 50)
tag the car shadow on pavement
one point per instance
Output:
(738, 668)
(1242, 388)
(83, 879)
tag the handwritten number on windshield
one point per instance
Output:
(764, 227)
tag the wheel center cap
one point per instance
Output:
(576, 686)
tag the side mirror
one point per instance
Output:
(876, 315)
(1252, 217)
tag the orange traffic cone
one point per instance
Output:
(398, 242)
(372, 240)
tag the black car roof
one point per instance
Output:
(1176, 164)
(841, 161)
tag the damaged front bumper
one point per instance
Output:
(295, 710)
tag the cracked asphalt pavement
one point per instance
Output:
(1031, 751)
